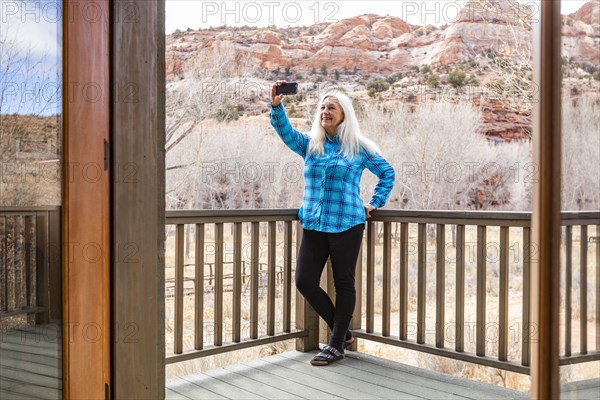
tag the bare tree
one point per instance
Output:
(581, 153)
(29, 99)
(510, 60)
(211, 89)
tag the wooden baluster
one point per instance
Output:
(387, 278)
(583, 288)
(526, 319)
(271, 279)
(460, 289)
(481, 290)
(403, 281)
(503, 294)
(28, 265)
(255, 245)
(568, 287)
(179, 272)
(237, 281)
(356, 322)
(218, 293)
(421, 281)
(199, 289)
(440, 285)
(597, 244)
(287, 278)
(370, 276)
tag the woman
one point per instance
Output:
(332, 213)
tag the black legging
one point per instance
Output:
(343, 249)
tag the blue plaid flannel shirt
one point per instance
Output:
(332, 201)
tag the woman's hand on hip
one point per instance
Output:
(368, 209)
(276, 98)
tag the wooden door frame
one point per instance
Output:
(138, 142)
(85, 200)
(546, 223)
(138, 198)
(113, 113)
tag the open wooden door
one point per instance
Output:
(86, 216)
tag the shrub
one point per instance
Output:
(378, 85)
(228, 112)
(433, 80)
(394, 78)
(457, 79)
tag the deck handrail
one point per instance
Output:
(30, 259)
(306, 324)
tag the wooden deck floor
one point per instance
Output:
(30, 368)
(30, 364)
(359, 376)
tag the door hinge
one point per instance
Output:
(106, 392)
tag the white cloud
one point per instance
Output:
(36, 26)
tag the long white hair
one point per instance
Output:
(348, 131)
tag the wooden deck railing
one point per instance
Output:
(240, 338)
(30, 259)
(480, 221)
(385, 257)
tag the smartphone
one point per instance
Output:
(287, 88)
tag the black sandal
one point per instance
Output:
(327, 356)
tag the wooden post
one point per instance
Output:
(138, 212)
(306, 317)
(546, 224)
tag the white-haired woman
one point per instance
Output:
(332, 214)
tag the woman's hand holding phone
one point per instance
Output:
(276, 98)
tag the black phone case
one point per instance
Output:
(288, 88)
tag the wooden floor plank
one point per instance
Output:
(222, 388)
(335, 373)
(170, 394)
(368, 378)
(29, 390)
(291, 387)
(445, 383)
(192, 391)
(325, 391)
(47, 330)
(238, 380)
(14, 396)
(48, 352)
(583, 394)
(30, 364)
(580, 385)
(30, 367)
(29, 378)
(29, 339)
(18, 355)
(322, 383)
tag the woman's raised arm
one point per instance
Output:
(296, 141)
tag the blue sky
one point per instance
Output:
(30, 57)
